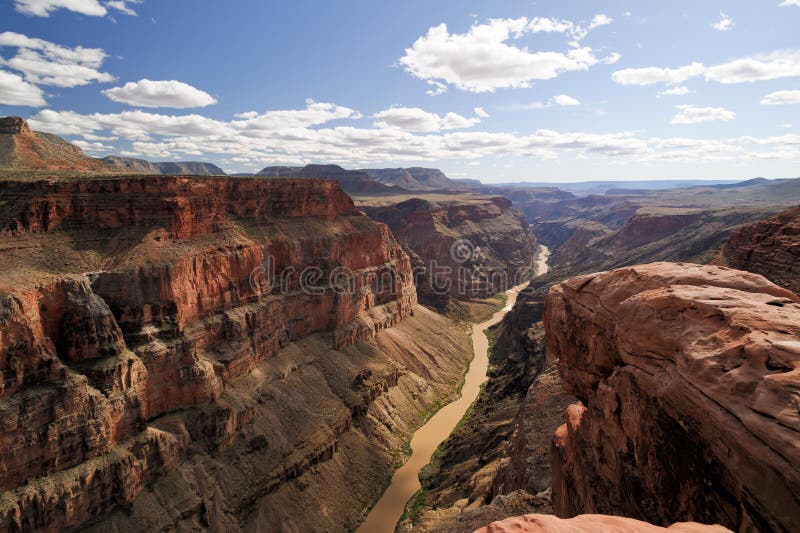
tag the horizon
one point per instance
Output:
(504, 94)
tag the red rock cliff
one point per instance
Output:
(770, 248)
(688, 378)
(473, 247)
(122, 300)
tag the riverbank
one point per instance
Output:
(405, 482)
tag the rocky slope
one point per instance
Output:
(687, 380)
(534, 523)
(185, 168)
(205, 353)
(22, 149)
(412, 179)
(463, 248)
(770, 248)
(352, 181)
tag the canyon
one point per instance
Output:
(225, 353)
(164, 338)
(461, 247)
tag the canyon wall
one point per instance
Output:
(770, 247)
(184, 350)
(470, 248)
(687, 377)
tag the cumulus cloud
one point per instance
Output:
(787, 3)
(46, 63)
(416, 119)
(565, 100)
(317, 133)
(724, 24)
(771, 66)
(148, 93)
(680, 90)
(653, 75)
(781, 98)
(689, 114)
(562, 100)
(92, 8)
(486, 58)
(16, 91)
(481, 112)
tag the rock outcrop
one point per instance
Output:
(184, 350)
(352, 181)
(183, 168)
(770, 248)
(687, 377)
(413, 179)
(25, 150)
(469, 248)
(589, 523)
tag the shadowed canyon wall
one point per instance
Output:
(183, 352)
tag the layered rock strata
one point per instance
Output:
(688, 380)
(140, 321)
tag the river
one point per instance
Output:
(405, 483)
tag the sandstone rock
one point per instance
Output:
(588, 523)
(770, 248)
(686, 375)
(496, 251)
(136, 318)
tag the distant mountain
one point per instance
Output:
(22, 149)
(415, 178)
(185, 168)
(352, 181)
(602, 187)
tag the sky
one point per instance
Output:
(498, 91)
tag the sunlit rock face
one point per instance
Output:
(688, 379)
(140, 322)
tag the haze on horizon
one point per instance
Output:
(507, 91)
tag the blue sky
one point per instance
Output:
(500, 91)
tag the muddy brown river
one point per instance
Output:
(405, 483)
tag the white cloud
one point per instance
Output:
(246, 114)
(42, 8)
(123, 7)
(46, 63)
(436, 89)
(653, 75)
(781, 97)
(481, 112)
(600, 20)
(565, 100)
(92, 8)
(680, 90)
(787, 3)
(725, 23)
(148, 93)
(771, 66)
(313, 134)
(16, 91)
(689, 114)
(775, 65)
(485, 59)
(416, 119)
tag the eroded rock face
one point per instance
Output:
(688, 379)
(137, 320)
(589, 523)
(770, 248)
(462, 248)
